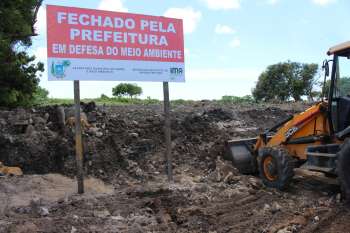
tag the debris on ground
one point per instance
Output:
(126, 185)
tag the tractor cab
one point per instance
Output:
(338, 92)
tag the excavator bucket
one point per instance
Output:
(240, 153)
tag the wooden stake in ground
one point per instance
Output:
(167, 131)
(78, 139)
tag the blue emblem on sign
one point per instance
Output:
(58, 69)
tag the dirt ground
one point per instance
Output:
(126, 185)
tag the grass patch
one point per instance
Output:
(104, 100)
(229, 99)
(110, 101)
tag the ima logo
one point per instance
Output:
(58, 69)
(176, 71)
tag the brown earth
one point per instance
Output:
(127, 190)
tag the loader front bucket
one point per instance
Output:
(240, 153)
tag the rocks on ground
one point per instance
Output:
(123, 146)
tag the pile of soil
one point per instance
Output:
(124, 148)
(127, 140)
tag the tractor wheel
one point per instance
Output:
(343, 165)
(276, 167)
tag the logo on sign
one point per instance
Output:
(176, 71)
(58, 69)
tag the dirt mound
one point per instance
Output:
(124, 147)
(265, 118)
(30, 140)
(125, 140)
(20, 191)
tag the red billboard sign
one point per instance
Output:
(86, 44)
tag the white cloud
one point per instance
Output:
(272, 2)
(323, 2)
(224, 29)
(112, 5)
(235, 43)
(221, 74)
(40, 24)
(223, 4)
(190, 17)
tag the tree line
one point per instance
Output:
(286, 80)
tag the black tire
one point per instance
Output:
(276, 167)
(343, 169)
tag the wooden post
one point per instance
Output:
(78, 139)
(167, 131)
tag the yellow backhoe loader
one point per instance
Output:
(316, 139)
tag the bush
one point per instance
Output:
(127, 89)
(237, 99)
(149, 100)
(104, 97)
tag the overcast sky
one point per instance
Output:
(228, 43)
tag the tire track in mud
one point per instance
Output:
(241, 213)
(336, 220)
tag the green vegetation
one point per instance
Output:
(103, 100)
(343, 86)
(127, 89)
(18, 76)
(110, 101)
(286, 80)
(40, 95)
